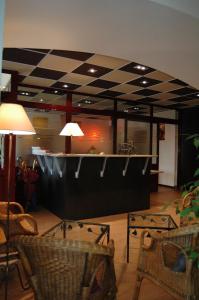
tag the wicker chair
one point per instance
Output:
(20, 223)
(160, 262)
(65, 269)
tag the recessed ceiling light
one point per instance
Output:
(139, 67)
(126, 110)
(136, 108)
(38, 138)
(65, 85)
(79, 104)
(27, 94)
(144, 81)
(91, 70)
(197, 95)
(55, 92)
(41, 100)
(87, 101)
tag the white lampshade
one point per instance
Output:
(13, 119)
(71, 129)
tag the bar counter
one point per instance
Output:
(79, 186)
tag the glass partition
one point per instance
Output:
(138, 133)
(47, 126)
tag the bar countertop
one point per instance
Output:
(94, 155)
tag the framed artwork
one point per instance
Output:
(161, 131)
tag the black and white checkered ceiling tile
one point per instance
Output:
(55, 72)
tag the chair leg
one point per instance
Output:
(137, 288)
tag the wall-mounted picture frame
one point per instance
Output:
(161, 131)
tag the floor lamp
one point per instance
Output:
(13, 121)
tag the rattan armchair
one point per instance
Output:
(65, 269)
(160, 262)
(19, 222)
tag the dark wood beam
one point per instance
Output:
(68, 120)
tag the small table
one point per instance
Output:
(77, 230)
(149, 220)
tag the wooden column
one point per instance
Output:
(68, 119)
(114, 126)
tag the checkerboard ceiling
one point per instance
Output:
(58, 71)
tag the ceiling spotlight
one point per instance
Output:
(197, 95)
(136, 108)
(126, 110)
(27, 94)
(79, 104)
(65, 85)
(41, 100)
(139, 67)
(91, 70)
(55, 92)
(144, 82)
(87, 102)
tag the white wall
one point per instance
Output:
(168, 149)
(97, 133)
(143, 31)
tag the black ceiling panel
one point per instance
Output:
(22, 56)
(179, 82)
(53, 91)
(109, 93)
(103, 83)
(147, 100)
(84, 70)
(60, 85)
(39, 50)
(146, 92)
(47, 73)
(183, 91)
(144, 81)
(26, 93)
(133, 68)
(72, 54)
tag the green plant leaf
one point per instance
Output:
(195, 200)
(185, 211)
(190, 137)
(184, 193)
(196, 172)
(193, 255)
(196, 142)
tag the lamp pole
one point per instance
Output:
(9, 165)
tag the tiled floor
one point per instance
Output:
(125, 273)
